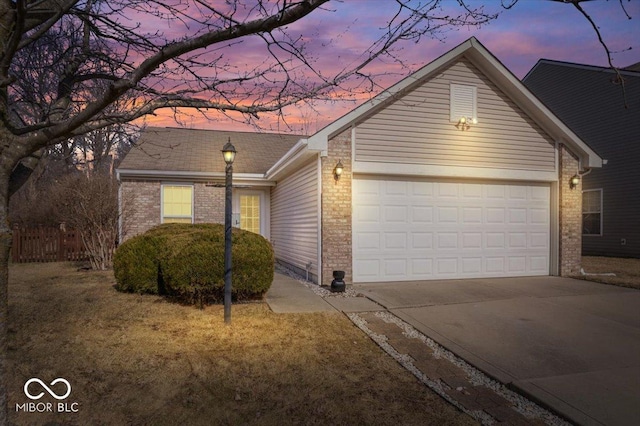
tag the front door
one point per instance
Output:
(251, 210)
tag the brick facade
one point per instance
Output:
(336, 210)
(141, 203)
(143, 211)
(570, 220)
(208, 203)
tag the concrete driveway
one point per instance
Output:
(571, 345)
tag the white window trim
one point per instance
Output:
(193, 192)
(601, 212)
(454, 110)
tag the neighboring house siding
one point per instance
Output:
(592, 104)
(620, 226)
(294, 219)
(416, 129)
(141, 203)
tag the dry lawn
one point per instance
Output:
(627, 271)
(139, 360)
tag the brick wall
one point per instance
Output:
(142, 201)
(570, 216)
(208, 203)
(336, 210)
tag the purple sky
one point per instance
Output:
(519, 37)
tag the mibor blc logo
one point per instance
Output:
(59, 389)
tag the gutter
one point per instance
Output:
(254, 179)
(299, 153)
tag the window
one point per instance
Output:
(250, 213)
(177, 204)
(592, 212)
(462, 102)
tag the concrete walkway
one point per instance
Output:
(571, 345)
(288, 296)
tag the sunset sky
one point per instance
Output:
(519, 37)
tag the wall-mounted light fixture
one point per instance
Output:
(337, 171)
(464, 123)
(574, 181)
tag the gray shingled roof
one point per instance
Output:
(189, 150)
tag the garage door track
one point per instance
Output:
(572, 345)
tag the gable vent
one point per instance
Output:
(463, 102)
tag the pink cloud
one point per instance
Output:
(518, 38)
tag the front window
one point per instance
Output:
(177, 204)
(592, 212)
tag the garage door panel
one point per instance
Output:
(421, 240)
(421, 215)
(405, 230)
(395, 241)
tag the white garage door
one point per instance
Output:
(420, 230)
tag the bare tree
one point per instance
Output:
(89, 204)
(65, 63)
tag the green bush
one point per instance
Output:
(187, 261)
(136, 265)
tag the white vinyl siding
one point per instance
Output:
(294, 218)
(416, 129)
(407, 230)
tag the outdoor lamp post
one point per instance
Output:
(229, 154)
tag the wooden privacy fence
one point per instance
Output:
(46, 244)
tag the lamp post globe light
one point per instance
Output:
(229, 154)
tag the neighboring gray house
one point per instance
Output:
(457, 171)
(591, 101)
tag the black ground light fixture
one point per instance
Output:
(338, 285)
(229, 154)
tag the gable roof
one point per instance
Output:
(475, 52)
(591, 101)
(178, 152)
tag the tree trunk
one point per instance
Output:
(11, 150)
(5, 247)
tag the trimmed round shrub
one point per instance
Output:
(136, 265)
(187, 262)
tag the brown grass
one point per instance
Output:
(138, 360)
(627, 270)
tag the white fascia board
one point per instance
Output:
(296, 156)
(253, 179)
(526, 100)
(320, 139)
(422, 170)
(285, 159)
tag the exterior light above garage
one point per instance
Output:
(464, 123)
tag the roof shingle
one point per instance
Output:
(191, 150)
